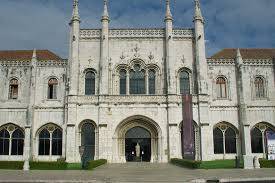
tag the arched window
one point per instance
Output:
(184, 82)
(11, 140)
(224, 139)
(122, 82)
(218, 141)
(90, 83)
(259, 87)
(258, 137)
(230, 141)
(50, 141)
(13, 89)
(57, 142)
(4, 142)
(17, 142)
(88, 140)
(152, 81)
(256, 141)
(221, 87)
(137, 80)
(44, 142)
(52, 88)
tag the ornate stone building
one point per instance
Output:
(122, 87)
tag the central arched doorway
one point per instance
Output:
(141, 131)
(138, 144)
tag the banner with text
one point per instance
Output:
(188, 128)
(270, 136)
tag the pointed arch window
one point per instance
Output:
(259, 87)
(258, 137)
(225, 139)
(152, 81)
(17, 142)
(122, 82)
(137, 80)
(4, 142)
(52, 88)
(11, 140)
(184, 82)
(50, 141)
(90, 83)
(221, 87)
(13, 89)
(57, 142)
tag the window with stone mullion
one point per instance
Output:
(184, 82)
(259, 87)
(122, 82)
(230, 141)
(4, 142)
(137, 81)
(218, 141)
(152, 82)
(17, 142)
(256, 141)
(57, 142)
(44, 142)
(90, 83)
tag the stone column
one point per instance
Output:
(27, 147)
(207, 148)
(71, 149)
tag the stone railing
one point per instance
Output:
(127, 99)
(21, 63)
(135, 33)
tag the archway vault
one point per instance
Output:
(138, 121)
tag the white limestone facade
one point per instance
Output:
(236, 104)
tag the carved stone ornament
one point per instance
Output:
(183, 59)
(151, 56)
(136, 50)
(122, 57)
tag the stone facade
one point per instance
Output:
(105, 51)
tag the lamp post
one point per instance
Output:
(81, 152)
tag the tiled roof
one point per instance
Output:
(27, 55)
(247, 53)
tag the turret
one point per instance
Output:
(201, 63)
(171, 84)
(74, 50)
(103, 66)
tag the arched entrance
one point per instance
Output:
(137, 131)
(138, 144)
(88, 141)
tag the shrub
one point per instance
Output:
(186, 163)
(267, 163)
(14, 165)
(58, 165)
(95, 163)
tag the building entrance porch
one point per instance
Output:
(138, 139)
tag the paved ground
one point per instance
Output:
(134, 172)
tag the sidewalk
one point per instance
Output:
(136, 172)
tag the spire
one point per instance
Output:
(75, 16)
(168, 15)
(105, 15)
(34, 54)
(198, 14)
(239, 58)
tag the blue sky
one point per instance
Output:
(43, 24)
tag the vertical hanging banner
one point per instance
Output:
(188, 127)
(270, 136)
